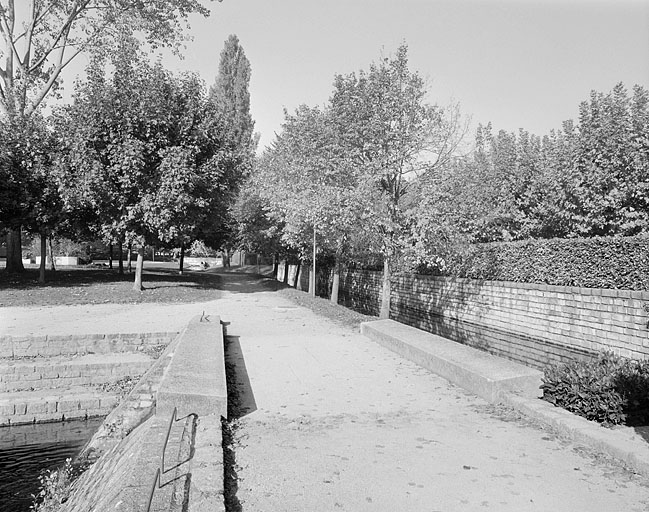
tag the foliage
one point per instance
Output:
(343, 171)
(598, 262)
(55, 487)
(391, 134)
(198, 248)
(147, 160)
(305, 183)
(613, 163)
(229, 98)
(41, 38)
(610, 390)
(255, 229)
(586, 179)
(61, 246)
(28, 189)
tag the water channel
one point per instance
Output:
(28, 450)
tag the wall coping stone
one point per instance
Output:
(194, 381)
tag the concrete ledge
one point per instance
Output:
(194, 381)
(622, 443)
(485, 375)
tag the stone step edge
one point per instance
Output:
(46, 345)
(112, 357)
(485, 375)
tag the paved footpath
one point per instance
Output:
(332, 421)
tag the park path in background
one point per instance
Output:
(328, 420)
(331, 421)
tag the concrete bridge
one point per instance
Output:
(322, 417)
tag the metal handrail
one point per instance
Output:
(161, 470)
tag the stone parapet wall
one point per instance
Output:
(531, 323)
(585, 320)
(80, 344)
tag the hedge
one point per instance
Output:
(599, 262)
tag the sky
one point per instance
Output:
(515, 63)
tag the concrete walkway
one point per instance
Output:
(330, 420)
(333, 421)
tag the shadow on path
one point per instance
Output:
(235, 281)
(241, 401)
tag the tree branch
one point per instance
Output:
(63, 32)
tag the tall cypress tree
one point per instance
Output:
(230, 94)
(230, 100)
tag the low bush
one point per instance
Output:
(611, 390)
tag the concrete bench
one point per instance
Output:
(483, 374)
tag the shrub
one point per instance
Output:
(54, 488)
(599, 262)
(610, 390)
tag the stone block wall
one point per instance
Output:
(561, 321)
(26, 374)
(24, 408)
(80, 344)
(55, 378)
(530, 323)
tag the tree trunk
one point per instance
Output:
(275, 265)
(387, 290)
(296, 282)
(51, 251)
(41, 269)
(336, 281)
(182, 259)
(226, 258)
(129, 249)
(137, 285)
(285, 279)
(110, 255)
(120, 245)
(14, 252)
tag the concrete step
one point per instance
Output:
(483, 374)
(78, 402)
(64, 371)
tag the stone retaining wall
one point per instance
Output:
(28, 375)
(55, 406)
(78, 344)
(530, 323)
(57, 378)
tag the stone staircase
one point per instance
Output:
(41, 388)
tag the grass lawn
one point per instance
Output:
(92, 285)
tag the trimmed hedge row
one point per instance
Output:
(599, 262)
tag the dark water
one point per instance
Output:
(27, 450)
